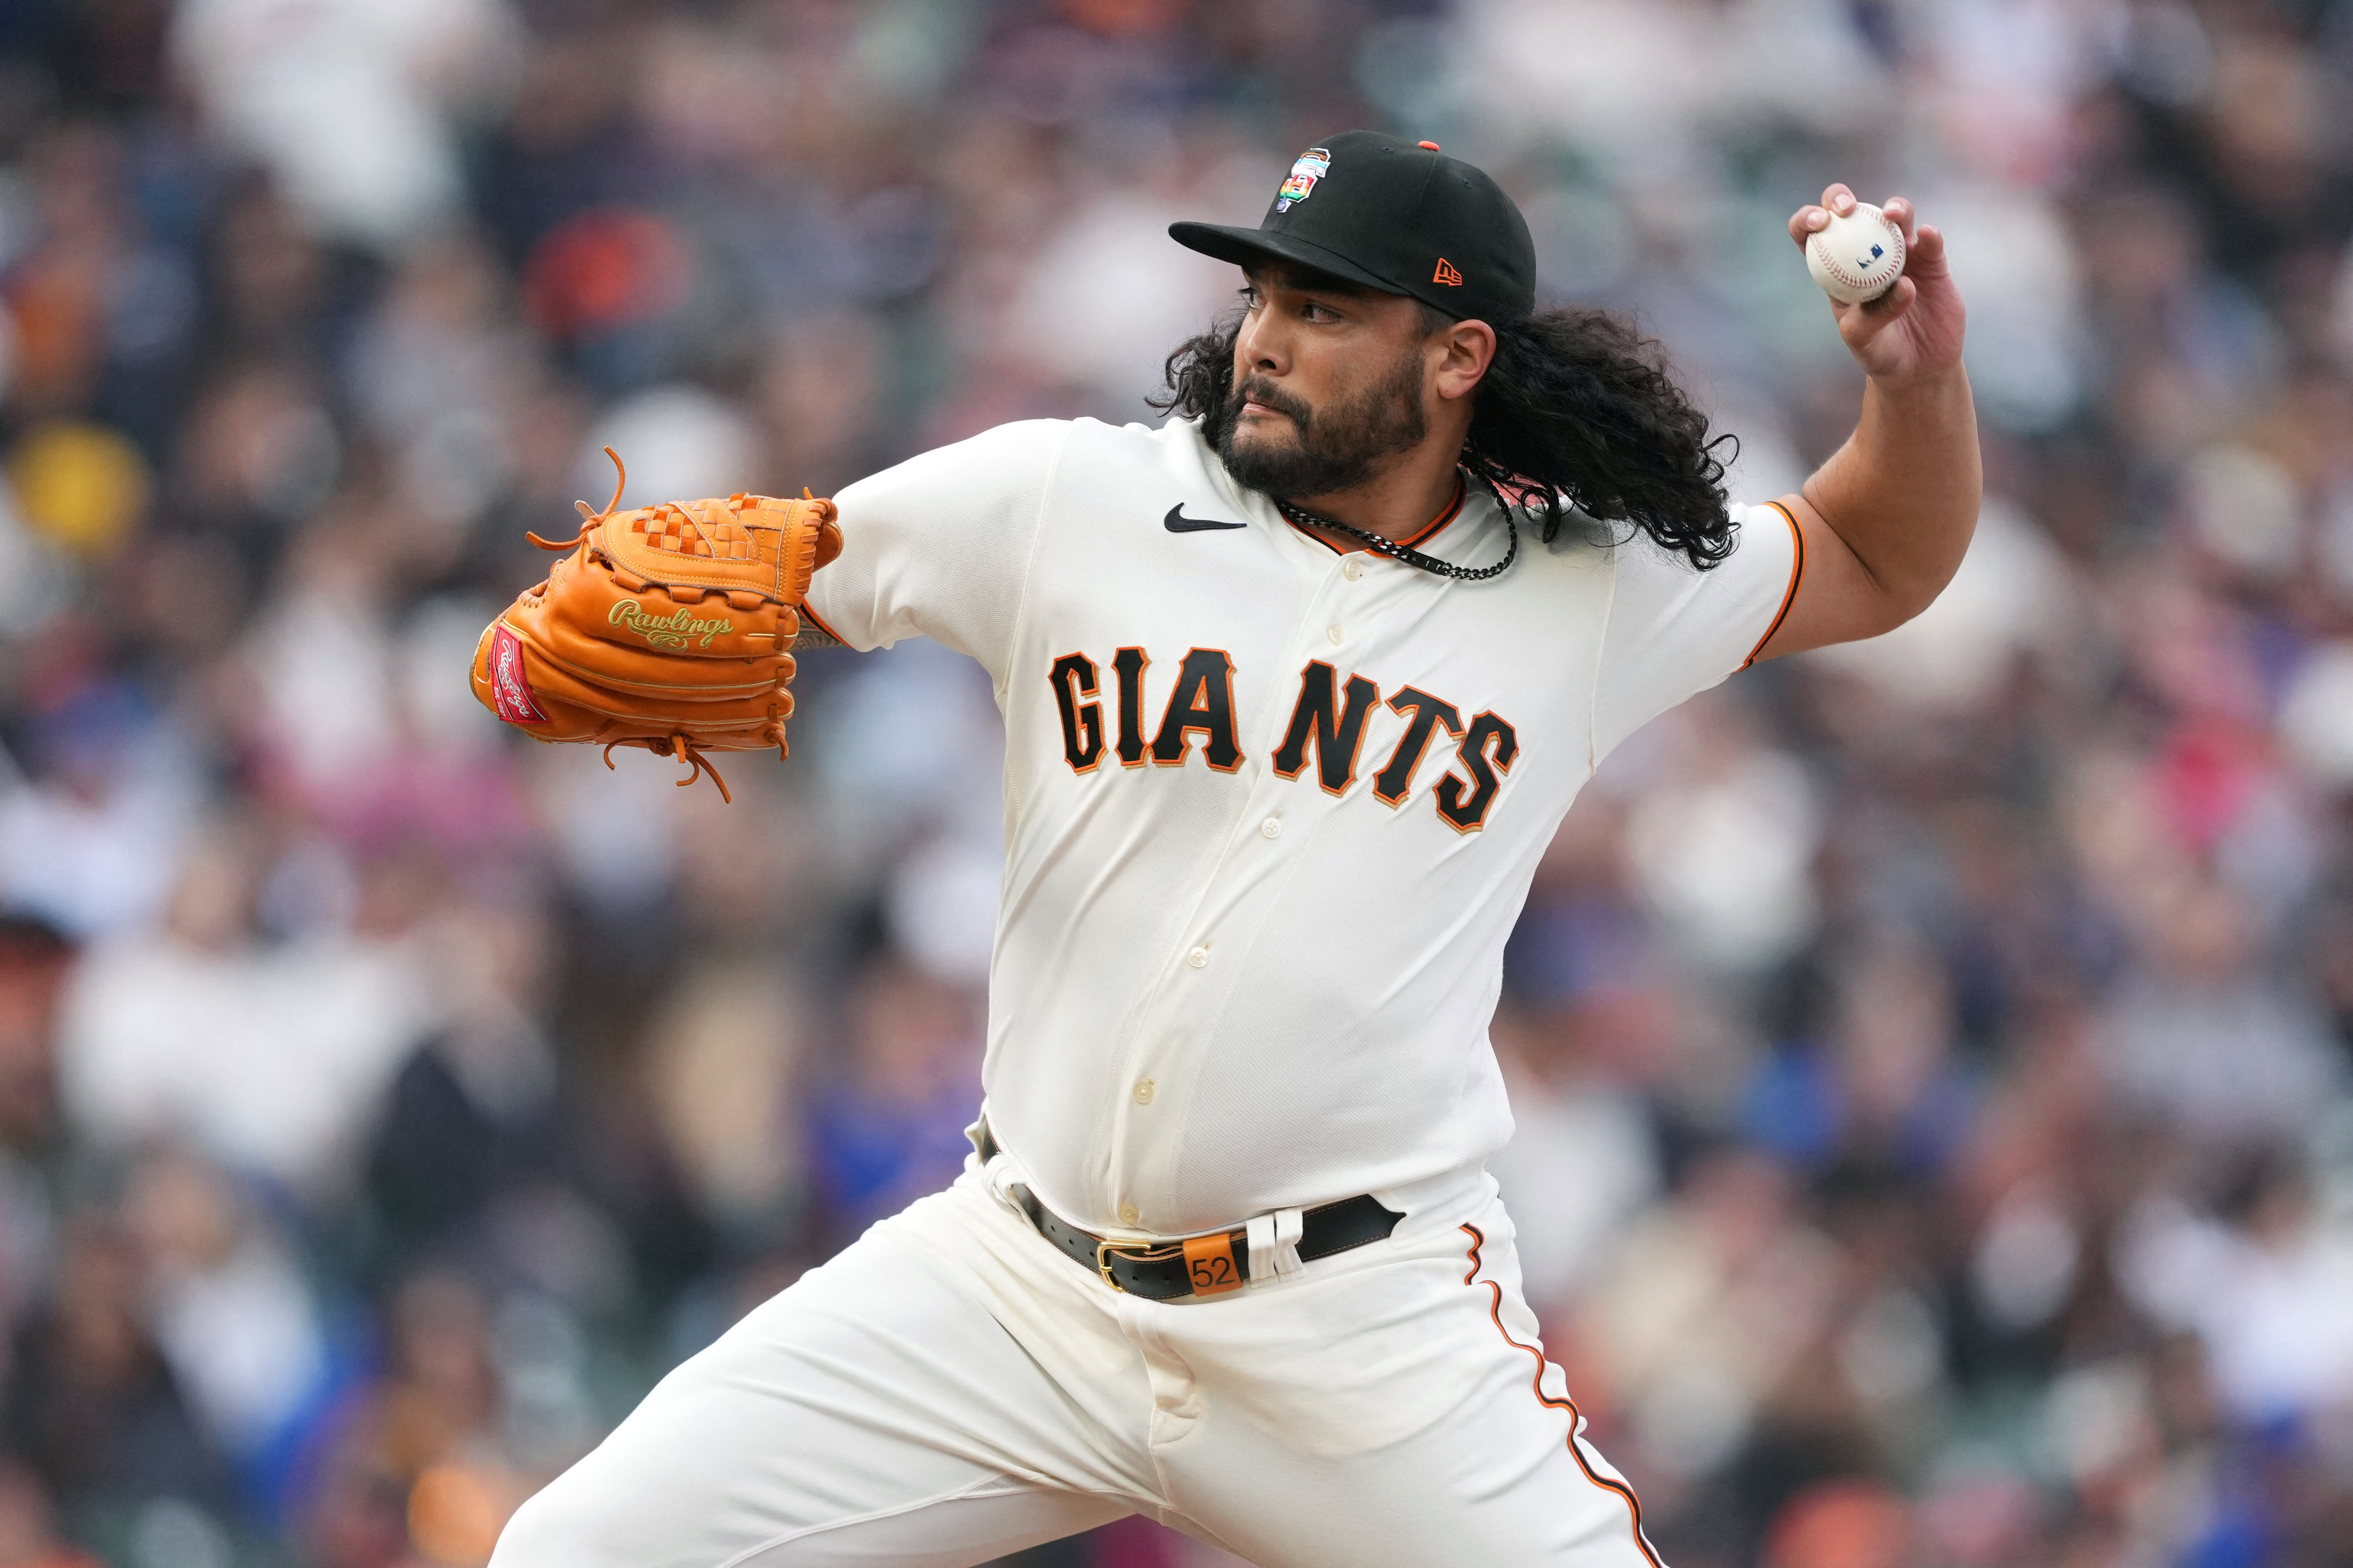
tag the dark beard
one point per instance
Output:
(1337, 449)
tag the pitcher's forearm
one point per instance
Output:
(1903, 490)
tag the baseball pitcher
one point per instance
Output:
(1297, 687)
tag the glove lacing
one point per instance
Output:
(592, 518)
(685, 750)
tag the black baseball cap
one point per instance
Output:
(1395, 216)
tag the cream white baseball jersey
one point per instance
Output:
(1271, 809)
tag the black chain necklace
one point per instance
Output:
(1410, 556)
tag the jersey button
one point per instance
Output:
(1144, 1091)
(1199, 958)
(1332, 636)
(1352, 568)
(1272, 828)
(1130, 1215)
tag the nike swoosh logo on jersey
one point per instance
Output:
(1178, 522)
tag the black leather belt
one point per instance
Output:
(1201, 1265)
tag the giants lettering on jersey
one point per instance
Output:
(1331, 720)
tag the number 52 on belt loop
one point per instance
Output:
(1209, 1261)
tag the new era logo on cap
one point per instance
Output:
(1446, 274)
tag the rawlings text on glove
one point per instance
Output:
(667, 627)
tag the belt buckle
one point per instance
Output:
(1135, 1252)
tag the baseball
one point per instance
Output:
(1857, 257)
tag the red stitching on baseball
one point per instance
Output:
(1853, 280)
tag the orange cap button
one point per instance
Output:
(1431, 145)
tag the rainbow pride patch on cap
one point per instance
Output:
(1311, 166)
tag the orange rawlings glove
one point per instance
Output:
(667, 628)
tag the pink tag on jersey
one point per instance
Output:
(510, 689)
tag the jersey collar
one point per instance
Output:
(1427, 531)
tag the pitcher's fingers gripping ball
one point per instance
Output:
(1856, 256)
(667, 627)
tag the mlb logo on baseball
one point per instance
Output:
(1857, 257)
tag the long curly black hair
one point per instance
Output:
(1576, 411)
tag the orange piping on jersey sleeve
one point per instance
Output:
(1796, 575)
(805, 609)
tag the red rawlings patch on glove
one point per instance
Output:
(510, 689)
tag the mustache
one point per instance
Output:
(1258, 390)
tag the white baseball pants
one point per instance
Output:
(952, 1389)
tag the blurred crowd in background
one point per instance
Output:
(1931, 1058)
